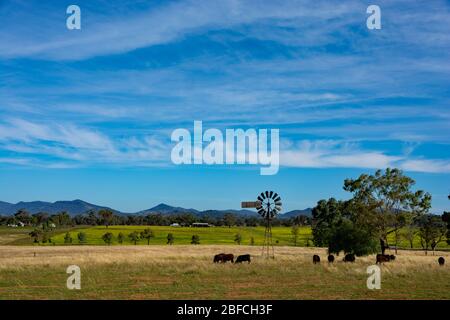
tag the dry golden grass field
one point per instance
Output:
(187, 272)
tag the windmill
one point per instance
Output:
(268, 206)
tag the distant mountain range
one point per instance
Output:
(76, 207)
(72, 207)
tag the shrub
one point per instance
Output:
(108, 238)
(195, 239)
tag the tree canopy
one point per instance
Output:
(381, 204)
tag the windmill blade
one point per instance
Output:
(260, 199)
(271, 194)
(275, 195)
(263, 195)
(267, 194)
(261, 211)
(278, 208)
(277, 199)
(278, 203)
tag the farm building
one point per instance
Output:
(201, 224)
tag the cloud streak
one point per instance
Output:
(71, 146)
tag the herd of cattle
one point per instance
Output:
(380, 258)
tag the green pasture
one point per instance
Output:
(183, 235)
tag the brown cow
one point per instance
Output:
(316, 259)
(228, 257)
(218, 257)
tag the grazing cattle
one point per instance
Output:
(228, 257)
(330, 258)
(316, 259)
(383, 258)
(349, 258)
(441, 261)
(218, 257)
(242, 258)
(392, 257)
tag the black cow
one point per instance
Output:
(392, 257)
(349, 258)
(441, 261)
(242, 258)
(383, 258)
(316, 259)
(330, 258)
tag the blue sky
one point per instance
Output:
(88, 113)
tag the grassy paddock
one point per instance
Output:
(183, 235)
(187, 272)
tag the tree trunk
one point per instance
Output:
(383, 246)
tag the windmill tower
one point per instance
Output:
(268, 206)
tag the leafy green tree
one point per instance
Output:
(326, 215)
(295, 230)
(195, 239)
(106, 216)
(134, 237)
(39, 219)
(23, 216)
(45, 237)
(229, 219)
(410, 233)
(238, 238)
(385, 196)
(61, 219)
(308, 241)
(120, 237)
(81, 237)
(170, 238)
(92, 218)
(155, 219)
(431, 231)
(349, 238)
(343, 226)
(35, 234)
(147, 234)
(446, 219)
(108, 238)
(67, 238)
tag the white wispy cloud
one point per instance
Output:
(338, 154)
(334, 154)
(426, 165)
(158, 25)
(71, 146)
(81, 146)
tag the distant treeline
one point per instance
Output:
(107, 217)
